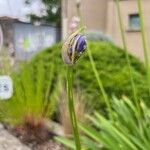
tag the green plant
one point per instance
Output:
(35, 96)
(71, 108)
(123, 133)
(126, 51)
(72, 50)
(144, 41)
(92, 62)
(111, 66)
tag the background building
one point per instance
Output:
(24, 39)
(94, 14)
(101, 15)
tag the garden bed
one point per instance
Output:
(28, 141)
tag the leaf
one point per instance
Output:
(69, 143)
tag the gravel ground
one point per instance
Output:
(9, 142)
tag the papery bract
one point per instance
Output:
(73, 48)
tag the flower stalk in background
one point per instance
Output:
(145, 47)
(121, 26)
(93, 65)
(72, 49)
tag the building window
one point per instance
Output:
(134, 22)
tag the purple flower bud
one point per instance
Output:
(73, 48)
(81, 43)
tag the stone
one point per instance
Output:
(9, 142)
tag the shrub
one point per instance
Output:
(98, 37)
(111, 65)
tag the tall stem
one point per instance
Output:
(126, 52)
(99, 81)
(145, 47)
(128, 61)
(71, 107)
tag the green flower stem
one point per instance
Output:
(128, 62)
(126, 52)
(99, 81)
(145, 48)
(71, 106)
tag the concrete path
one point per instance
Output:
(9, 142)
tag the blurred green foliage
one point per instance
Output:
(37, 85)
(97, 36)
(36, 92)
(128, 129)
(111, 65)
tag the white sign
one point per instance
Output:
(6, 87)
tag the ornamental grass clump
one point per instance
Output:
(72, 50)
(80, 109)
(34, 101)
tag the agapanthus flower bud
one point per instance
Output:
(73, 48)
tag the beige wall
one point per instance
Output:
(101, 15)
(94, 14)
(133, 37)
(95, 17)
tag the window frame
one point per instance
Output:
(130, 25)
